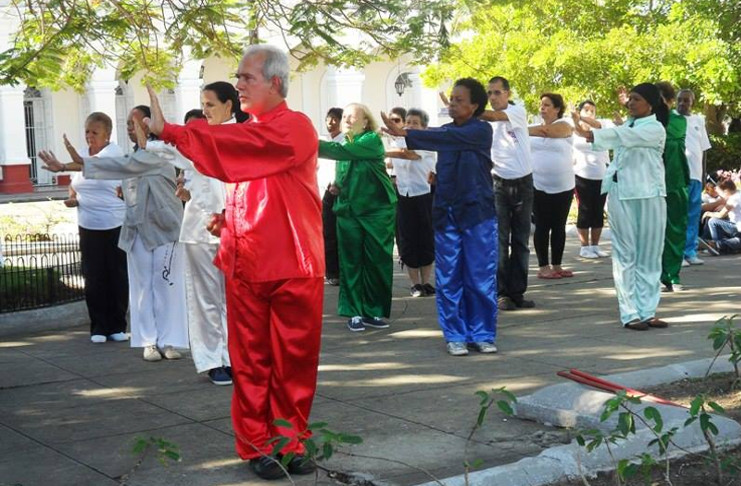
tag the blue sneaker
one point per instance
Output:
(355, 324)
(375, 322)
(219, 376)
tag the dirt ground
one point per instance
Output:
(721, 388)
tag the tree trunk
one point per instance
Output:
(714, 115)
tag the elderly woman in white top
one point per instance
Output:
(590, 166)
(100, 214)
(204, 282)
(414, 232)
(553, 178)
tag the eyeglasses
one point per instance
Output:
(396, 119)
(496, 92)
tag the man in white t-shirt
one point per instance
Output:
(724, 235)
(696, 143)
(513, 188)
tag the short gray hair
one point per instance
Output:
(275, 65)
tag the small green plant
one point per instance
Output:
(725, 334)
(486, 401)
(698, 411)
(166, 451)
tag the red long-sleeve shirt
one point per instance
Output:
(273, 227)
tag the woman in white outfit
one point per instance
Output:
(100, 214)
(204, 282)
(590, 166)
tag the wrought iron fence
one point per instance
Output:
(39, 271)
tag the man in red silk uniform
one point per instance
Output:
(271, 253)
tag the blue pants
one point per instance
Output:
(466, 279)
(725, 233)
(694, 207)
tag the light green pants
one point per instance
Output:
(637, 232)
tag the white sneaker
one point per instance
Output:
(119, 337)
(694, 261)
(457, 349)
(170, 353)
(151, 353)
(685, 263)
(587, 252)
(97, 338)
(599, 252)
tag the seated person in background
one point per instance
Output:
(711, 199)
(724, 235)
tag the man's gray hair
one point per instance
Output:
(687, 90)
(276, 64)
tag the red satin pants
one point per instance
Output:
(274, 338)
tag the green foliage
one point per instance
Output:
(166, 451)
(320, 443)
(60, 42)
(587, 49)
(725, 153)
(724, 334)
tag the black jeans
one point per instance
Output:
(106, 280)
(551, 212)
(514, 201)
(329, 222)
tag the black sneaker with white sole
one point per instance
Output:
(219, 376)
(375, 322)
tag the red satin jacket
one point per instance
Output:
(273, 227)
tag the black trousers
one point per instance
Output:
(329, 222)
(551, 212)
(106, 280)
(415, 235)
(591, 203)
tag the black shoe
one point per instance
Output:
(219, 376)
(266, 468)
(375, 322)
(523, 303)
(429, 289)
(417, 291)
(228, 370)
(506, 304)
(300, 465)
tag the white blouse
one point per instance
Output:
(553, 165)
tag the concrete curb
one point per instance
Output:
(572, 405)
(53, 318)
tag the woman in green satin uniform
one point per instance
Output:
(677, 180)
(365, 210)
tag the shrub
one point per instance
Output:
(725, 153)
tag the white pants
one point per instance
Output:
(157, 296)
(637, 234)
(204, 287)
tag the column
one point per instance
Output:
(14, 161)
(188, 89)
(101, 95)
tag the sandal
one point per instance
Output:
(565, 273)
(549, 275)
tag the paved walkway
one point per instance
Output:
(70, 410)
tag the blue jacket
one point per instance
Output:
(464, 183)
